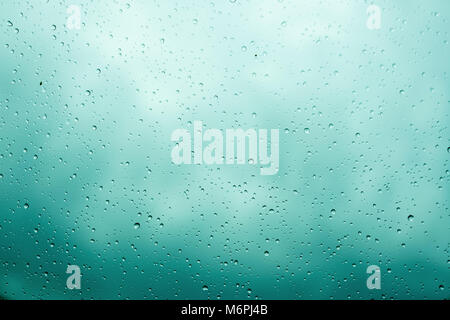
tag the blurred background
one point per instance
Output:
(86, 113)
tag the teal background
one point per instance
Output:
(364, 144)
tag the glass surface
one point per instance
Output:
(91, 93)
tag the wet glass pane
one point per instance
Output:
(231, 149)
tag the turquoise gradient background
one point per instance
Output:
(364, 149)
